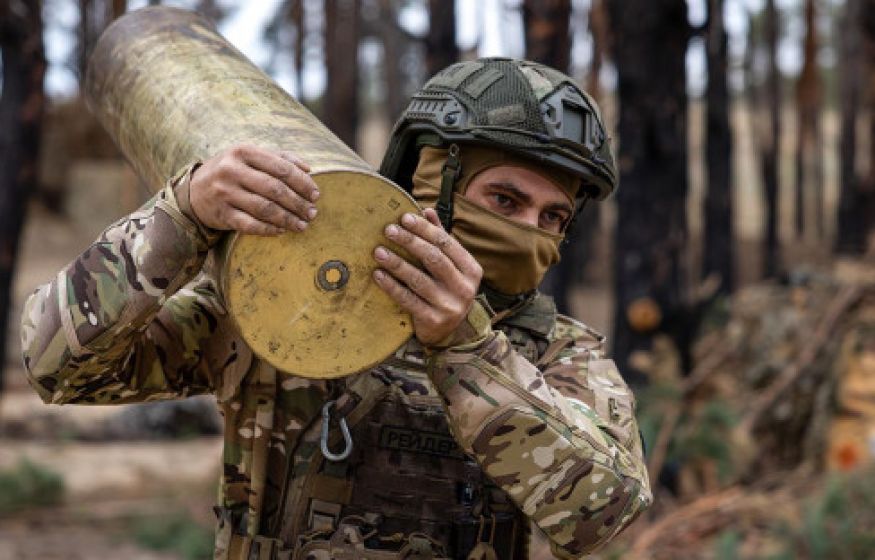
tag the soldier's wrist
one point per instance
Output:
(472, 331)
(181, 184)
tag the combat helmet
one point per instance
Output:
(523, 107)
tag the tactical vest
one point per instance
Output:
(406, 489)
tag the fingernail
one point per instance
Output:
(311, 213)
(408, 219)
(378, 275)
(302, 225)
(381, 253)
(391, 230)
(314, 195)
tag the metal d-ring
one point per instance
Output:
(344, 429)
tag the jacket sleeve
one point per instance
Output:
(561, 441)
(128, 320)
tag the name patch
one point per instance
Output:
(414, 441)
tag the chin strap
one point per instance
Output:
(449, 176)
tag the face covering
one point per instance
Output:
(514, 256)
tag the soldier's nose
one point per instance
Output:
(530, 217)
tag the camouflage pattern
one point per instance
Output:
(135, 318)
(562, 442)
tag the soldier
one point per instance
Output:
(498, 424)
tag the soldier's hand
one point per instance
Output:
(254, 190)
(440, 297)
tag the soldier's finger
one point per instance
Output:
(265, 210)
(290, 156)
(402, 295)
(428, 227)
(276, 166)
(273, 189)
(244, 223)
(419, 282)
(431, 215)
(431, 256)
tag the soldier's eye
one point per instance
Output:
(504, 201)
(553, 217)
(553, 221)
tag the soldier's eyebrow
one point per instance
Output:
(512, 189)
(556, 206)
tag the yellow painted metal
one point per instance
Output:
(317, 311)
(171, 90)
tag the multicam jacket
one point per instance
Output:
(134, 318)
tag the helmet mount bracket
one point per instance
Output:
(449, 175)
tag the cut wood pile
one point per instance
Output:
(767, 448)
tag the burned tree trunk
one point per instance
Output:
(718, 258)
(119, 7)
(770, 146)
(856, 196)
(440, 44)
(86, 40)
(290, 14)
(340, 103)
(296, 15)
(210, 9)
(548, 40)
(849, 238)
(21, 111)
(598, 26)
(867, 187)
(394, 45)
(809, 168)
(94, 17)
(651, 230)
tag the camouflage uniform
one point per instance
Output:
(134, 318)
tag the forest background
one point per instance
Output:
(733, 270)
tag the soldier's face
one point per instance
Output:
(522, 195)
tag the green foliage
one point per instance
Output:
(838, 524)
(28, 485)
(615, 552)
(653, 402)
(702, 433)
(726, 547)
(177, 533)
(716, 316)
(707, 436)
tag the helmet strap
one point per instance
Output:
(574, 219)
(449, 175)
